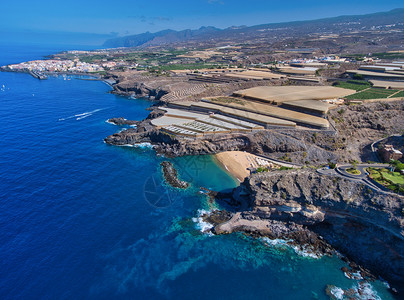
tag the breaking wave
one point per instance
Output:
(203, 226)
(303, 251)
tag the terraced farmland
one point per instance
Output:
(357, 85)
(372, 93)
(191, 89)
(186, 123)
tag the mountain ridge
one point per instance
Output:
(339, 24)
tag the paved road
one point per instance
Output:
(340, 171)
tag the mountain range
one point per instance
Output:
(376, 22)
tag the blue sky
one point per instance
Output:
(123, 17)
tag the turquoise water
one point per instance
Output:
(80, 219)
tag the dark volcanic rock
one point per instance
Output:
(217, 217)
(295, 234)
(363, 224)
(302, 146)
(261, 142)
(171, 176)
(122, 121)
(139, 90)
(155, 113)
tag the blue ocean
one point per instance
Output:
(80, 219)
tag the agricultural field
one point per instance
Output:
(187, 67)
(280, 94)
(228, 100)
(400, 94)
(357, 85)
(371, 93)
(140, 57)
(389, 55)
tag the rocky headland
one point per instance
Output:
(122, 121)
(320, 213)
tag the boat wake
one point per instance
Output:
(82, 115)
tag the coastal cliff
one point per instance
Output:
(365, 225)
(312, 212)
(139, 90)
(269, 142)
(356, 128)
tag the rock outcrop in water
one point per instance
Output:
(122, 121)
(365, 225)
(171, 176)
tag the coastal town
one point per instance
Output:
(56, 66)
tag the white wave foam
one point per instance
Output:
(337, 292)
(275, 242)
(139, 145)
(306, 252)
(203, 226)
(299, 250)
(356, 276)
(143, 145)
(362, 291)
(365, 291)
(385, 283)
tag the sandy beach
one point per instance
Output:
(236, 163)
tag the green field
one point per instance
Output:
(392, 180)
(394, 177)
(141, 57)
(389, 55)
(400, 94)
(357, 85)
(372, 93)
(187, 67)
(381, 55)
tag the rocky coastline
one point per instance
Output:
(139, 90)
(356, 128)
(321, 214)
(275, 143)
(316, 214)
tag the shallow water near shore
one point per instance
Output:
(82, 219)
